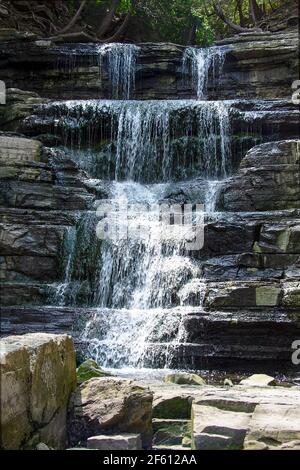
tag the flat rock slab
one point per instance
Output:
(275, 424)
(115, 442)
(258, 380)
(218, 429)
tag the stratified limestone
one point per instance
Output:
(38, 374)
(115, 442)
(110, 404)
(268, 179)
(215, 429)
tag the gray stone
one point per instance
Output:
(219, 429)
(110, 404)
(115, 442)
(274, 424)
(258, 380)
(184, 378)
(38, 375)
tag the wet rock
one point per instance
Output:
(37, 377)
(269, 179)
(238, 293)
(15, 149)
(110, 404)
(248, 59)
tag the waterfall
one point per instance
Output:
(146, 141)
(146, 269)
(115, 60)
(198, 63)
(128, 259)
(121, 60)
(133, 338)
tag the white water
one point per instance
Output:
(150, 141)
(198, 63)
(146, 283)
(117, 60)
(121, 60)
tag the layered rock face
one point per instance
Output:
(239, 158)
(38, 376)
(255, 66)
(238, 417)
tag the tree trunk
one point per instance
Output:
(119, 31)
(74, 19)
(241, 14)
(106, 23)
(219, 12)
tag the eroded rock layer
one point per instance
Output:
(243, 311)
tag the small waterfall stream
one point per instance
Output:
(142, 279)
(198, 63)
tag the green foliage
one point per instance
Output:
(179, 21)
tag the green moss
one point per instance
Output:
(283, 240)
(267, 296)
(89, 369)
(173, 408)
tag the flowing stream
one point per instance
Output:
(132, 260)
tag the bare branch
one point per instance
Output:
(74, 19)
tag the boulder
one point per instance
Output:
(174, 405)
(275, 424)
(215, 429)
(108, 404)
(115, 442)
(38, 374)
(89, 369)
(184, 379)
(258, 380)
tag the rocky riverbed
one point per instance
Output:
(46, 410)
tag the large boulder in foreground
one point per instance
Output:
(110, 405)
(38, 375)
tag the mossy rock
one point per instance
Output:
(89, 369)
(175, 407)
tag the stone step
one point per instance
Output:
(125, 441)
(163, 447)
(215, 429)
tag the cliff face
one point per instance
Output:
(251, 256)
(258, 66)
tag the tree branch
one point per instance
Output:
(108, 18)
(74, 19)
(220, 13)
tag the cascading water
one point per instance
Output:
(116, 60)
(141, 284)
(121, 60)
(197, 65)
(146, 141)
